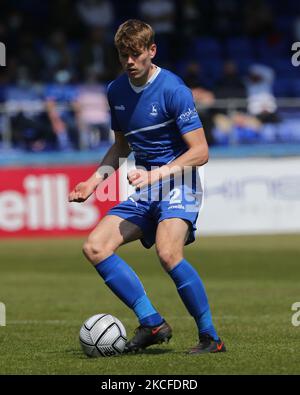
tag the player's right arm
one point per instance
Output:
(119, 149)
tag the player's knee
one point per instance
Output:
(168, 258)
(95, 252)
(90, 251)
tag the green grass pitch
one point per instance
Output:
(49, 290)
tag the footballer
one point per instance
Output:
(153, 115)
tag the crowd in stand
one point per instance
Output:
(60, 58)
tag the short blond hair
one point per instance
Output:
(134, 35)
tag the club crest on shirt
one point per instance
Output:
(154, 108)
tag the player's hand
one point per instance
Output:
(140, 178)
(81, 192)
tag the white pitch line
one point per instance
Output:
(46, 322)
(66, 322)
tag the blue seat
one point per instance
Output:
(283, 87)
(180, 67)
(284, 68)
(289, 131)
(270, 51)
(284, 23)
(238, 47)
(269, 133)
(221, 138)
(296, 88)
(206, 47)
(243, 64)
(213, 68)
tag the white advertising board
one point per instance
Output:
(251, 196)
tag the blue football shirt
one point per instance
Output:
(153, 118)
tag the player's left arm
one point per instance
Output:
(181, 107)
(196, 155)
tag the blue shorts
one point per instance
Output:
(181, 202)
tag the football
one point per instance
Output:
(102, 335)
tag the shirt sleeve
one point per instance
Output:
(183, 110)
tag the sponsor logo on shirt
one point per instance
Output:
(120, 108)
(188, 115)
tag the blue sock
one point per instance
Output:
(193, 295)
(126, 285)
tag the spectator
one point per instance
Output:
(15, 23)
(246, 129)
(27, 50)
(92, 112)
(25, 108)
(204, 98)
(261, 100)
(160, 14)
(197, 81)
(236, 128)
(57, 55)
(53, 40)
(96, 13)
(3, 88)
(191, 16)
(64, 13)
(97, 54)
(60, 97)
(230, 85)
(222, 130)
(258, 18)
(226, 17)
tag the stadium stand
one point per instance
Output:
(53, 47)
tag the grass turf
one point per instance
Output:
(49, 290)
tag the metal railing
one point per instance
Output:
(228, 105)
(233, 104)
